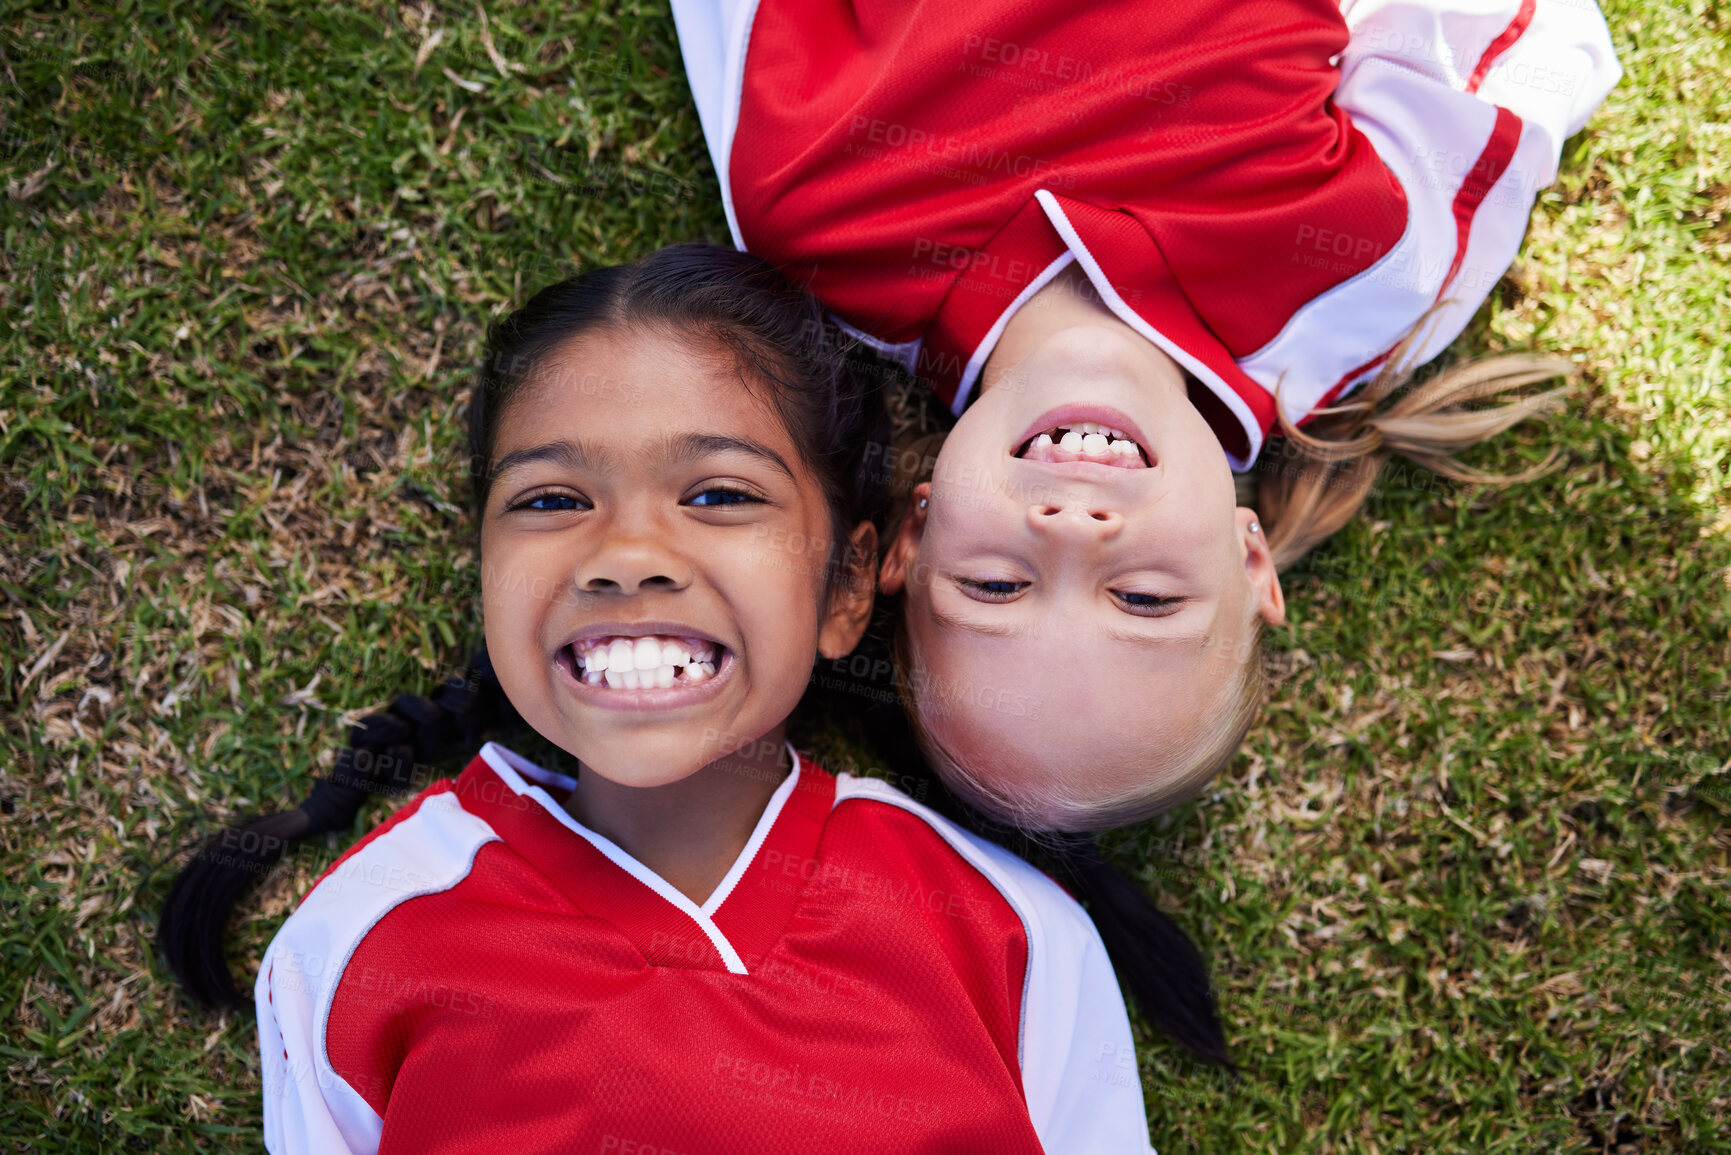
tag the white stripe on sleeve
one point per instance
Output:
(1079, 1074)
(308, 1107)
(1405, 80)
(712, 38)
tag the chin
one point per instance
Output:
(649, 756)
(629, 765)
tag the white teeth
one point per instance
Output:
(621, 655)
(649, 662)
(1085, 441)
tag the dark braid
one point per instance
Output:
(1153, 957)
(387, 753)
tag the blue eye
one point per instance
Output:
(991, 590)
(552, 503)
(1148, 605)
(722, 496)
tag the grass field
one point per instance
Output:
(1467, 889)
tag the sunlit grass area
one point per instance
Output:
(1468, 887)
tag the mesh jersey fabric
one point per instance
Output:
(484, 973)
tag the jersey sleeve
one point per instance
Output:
(308, 1107)
(712, 39)
(1467, 103)
(1079, 1071)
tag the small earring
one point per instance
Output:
(1254, 528)
(922, 503)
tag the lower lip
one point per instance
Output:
(1075, 414)
(671, 698)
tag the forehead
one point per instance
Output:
(1094, 726)
(635, 381)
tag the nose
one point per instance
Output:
(1077, 516)
(632, 559)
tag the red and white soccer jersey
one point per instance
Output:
(482, 973)
(1274, 192)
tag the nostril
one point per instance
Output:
(1050, 511)
(1100, 516)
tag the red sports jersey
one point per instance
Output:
(483, 973)
(1274, 192)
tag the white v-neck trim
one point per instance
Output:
(770, 814)
(1109, 294)
(977, 362)
(527, 779)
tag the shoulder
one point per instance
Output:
(427, 847)
(1049, 915)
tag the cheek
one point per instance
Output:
(775, 583)
(515, 598)
(963, 480)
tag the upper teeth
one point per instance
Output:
(643, 663)
(1085, 441)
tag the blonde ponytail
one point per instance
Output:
(1312, 484)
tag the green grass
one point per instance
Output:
(1467, 888)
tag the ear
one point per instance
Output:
(1259, 568)
(850, 606)
(899, 558)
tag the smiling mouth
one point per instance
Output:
(625, 665)
(1088, 441)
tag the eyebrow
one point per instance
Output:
(690, 446)
(574, 455)
(570, 454)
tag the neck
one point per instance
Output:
(689, 832)
(1067, 300)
